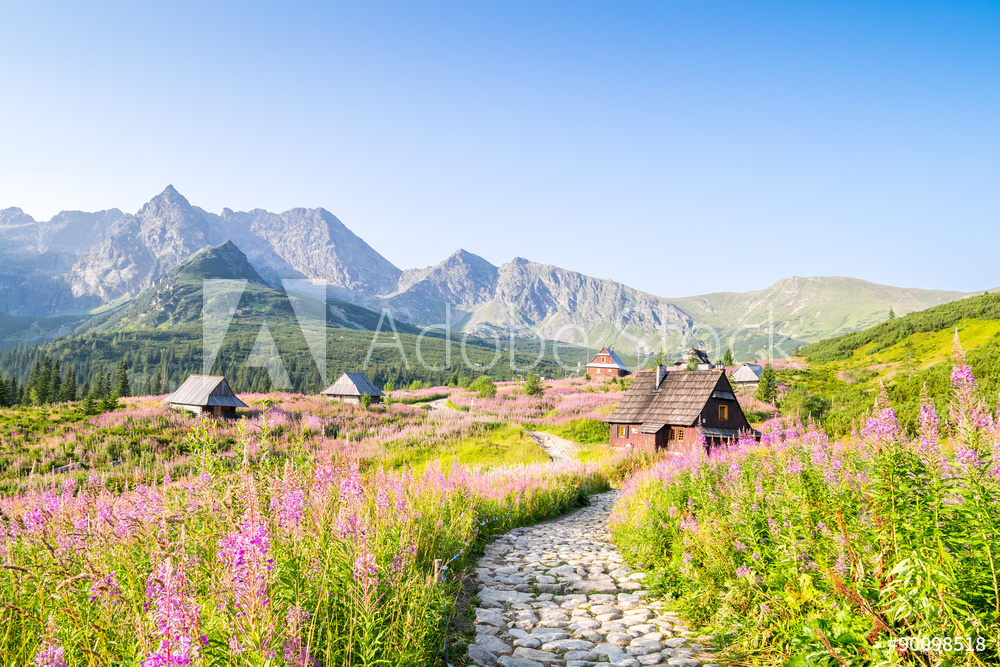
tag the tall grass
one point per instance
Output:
(267, 565)
(802, 550)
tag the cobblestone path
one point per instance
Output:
(559, 593)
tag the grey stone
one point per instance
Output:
(543, 657)
(493, 645)
(508, 661)
(481, 656)
(563, 645)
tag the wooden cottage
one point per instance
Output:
(747, 375)
(351, 387)
(607, 362)
(206, 394)
(670, 409)
(700, 358)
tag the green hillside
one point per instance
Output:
(803, 310)
(905, 353)
(16, 330)
(161, 335)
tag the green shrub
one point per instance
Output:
(484, 386)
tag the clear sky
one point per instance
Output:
(678, 147)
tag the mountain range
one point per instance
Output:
(79, 264)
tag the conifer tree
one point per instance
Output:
(767, 387)
(727, 358)
(55, 384)
(68, 391)
(35, 374)
(98, 389)
(122, 388)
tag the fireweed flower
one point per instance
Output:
(50, 653)
(882, 425)
(175, 615)
(961, 376)
(246, 558)
(106, 590)
(296, 655)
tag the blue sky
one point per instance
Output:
(714, 146)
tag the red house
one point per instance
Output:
(671, 409)
(607, 362)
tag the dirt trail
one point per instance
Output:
(560, 449)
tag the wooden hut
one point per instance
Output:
(673, 410)
(206, 394)
(747, 375)
(607, 362)
(350, 387)
(699, 357)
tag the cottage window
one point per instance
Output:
(622, 431)
(723, 412)
(671, 433)
(680, 434)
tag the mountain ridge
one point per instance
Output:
(78, 261)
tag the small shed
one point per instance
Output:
(206, 394)
(350, 387)
(747, 375)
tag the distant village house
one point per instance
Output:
(206, 394)
(747, 375)
(350, 387)
(699, 359)
(607, 362)
(669, 410)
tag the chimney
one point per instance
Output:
(661, 373)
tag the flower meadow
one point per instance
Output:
(153, 538)
(268, 565)
(560, 402)
(872, 550)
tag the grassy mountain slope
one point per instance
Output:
(905, 354)
(807, 310)
(15, 330)
(160, 334)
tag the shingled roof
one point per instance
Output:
(747, 373)
(205, 390)
(679, 399)
(353, 384)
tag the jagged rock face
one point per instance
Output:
(36, 258)
(526, 299)
(80, 260)
(314, 244)
(464, 282)
(142, 249)
(300, 243)
(542, 300)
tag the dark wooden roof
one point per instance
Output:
(678, 400)
(205, 391)
(353, 384)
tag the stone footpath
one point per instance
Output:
(559, 593)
